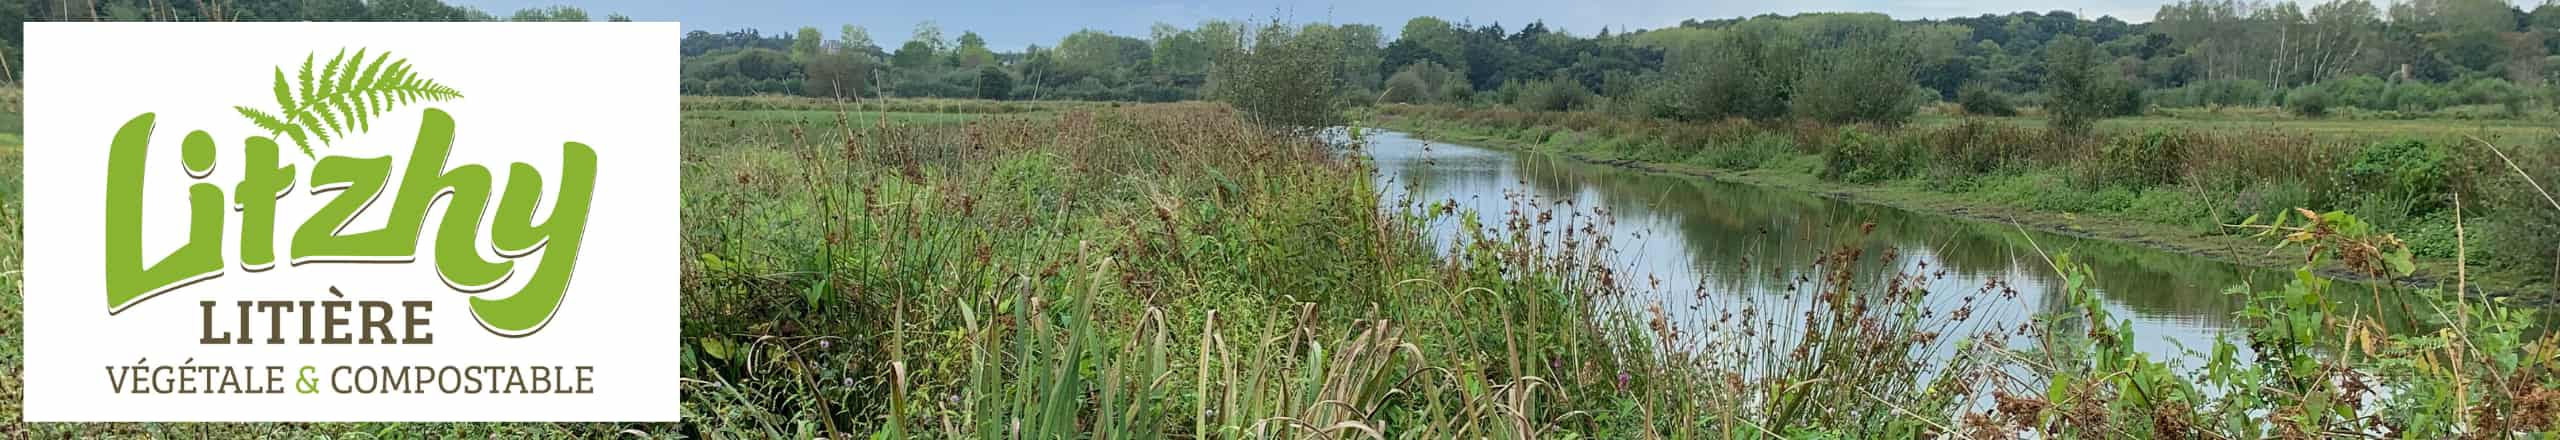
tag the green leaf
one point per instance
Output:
(309, 94)
(342, 97)
(2402, 264)
(328, 96)
(262, 119)
(284, 91)
(716, 347)
(348, 103)
(299, 139)
(816, 294)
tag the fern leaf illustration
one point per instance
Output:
(342, 96)
(273, 124)
(300, 113)
(347, 81)
(284, 90)
(366, 95)
(328, 95)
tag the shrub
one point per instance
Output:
(2145, 160)
(2223, 92)
(1980, 100)
(2408, 173)
(1863, 84)
(2416, 97)
(2493, 91)
(1743, 73)
(1858, 157)
(2311, 101)
(1976, 147)
(1551, 95)
(2527, 225)
(2361, 91)
(2074, 84)
(1405, 88)
(1753, 152)
(1270, 84)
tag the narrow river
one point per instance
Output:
(1716, 247)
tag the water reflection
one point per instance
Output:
(1716, 248)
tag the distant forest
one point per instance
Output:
(2415, 56)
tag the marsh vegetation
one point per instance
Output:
(929, 243)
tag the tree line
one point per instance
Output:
(2415, 56)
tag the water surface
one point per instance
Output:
(1702, 249)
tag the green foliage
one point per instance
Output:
(2154, 158)
(2310, 101)
(2409, 171)
(842, 75)
(1555, 95)
(2077, 95)
(993, 83)
(1981, 100)
(2220, 92)
(1744, 72)
(2526, 224)
(805, 48)
(341, 100)
(1406, 88)
(1270, 82)
(1867, 82)
(1860, 157)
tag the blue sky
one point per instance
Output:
(1010, 25)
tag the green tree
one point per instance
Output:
(857, 40)
(554, 13)
(993, 83)
(2071, 84)
(1269, 82)
(1980, 99)
(915, 55)
(1422, 81)
(420, 10)
(1093, 53)
(973, 51)
(1179, 51)
(2475, 49)
(1746, 71)
(838, 75)
(1867, 82)
(930, 33)
(1438, 39)
(804, 45)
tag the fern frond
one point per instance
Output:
(343, 96)
(274, 124)
(367, 97)
(264, 120)
(284, 99)
(328, 97)
(347, 81)
(284, 90)
(299, 113)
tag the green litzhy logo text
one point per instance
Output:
(343, 97)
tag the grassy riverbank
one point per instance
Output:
(2160, 183)
(1172, 271)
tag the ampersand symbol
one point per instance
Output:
(307, 384)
